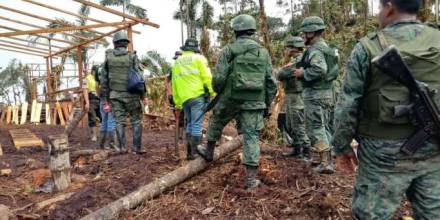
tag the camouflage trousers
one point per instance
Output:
(385, 175)
(317, 123)
(123, 107)
(250, 124)
(295, 125)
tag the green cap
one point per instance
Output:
(312, 24)
(121, 35)
(294, 42)
(191, 44)
(244, 22)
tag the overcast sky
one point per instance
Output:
(165, 40)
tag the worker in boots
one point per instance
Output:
(92, 105)
(118, 64)
(246, 88)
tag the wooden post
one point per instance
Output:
(48, 80)
(59, 161)
(1, 150)
(80, 66)
(130, 38)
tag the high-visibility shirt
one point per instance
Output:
(190, 76)
(91, 83)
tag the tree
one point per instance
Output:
(14, 84)
(188, 14)
(205, 22)
(127, 6)
(155, 64)
(264, 27)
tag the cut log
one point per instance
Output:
(45, 203)
(157, 187)
(15, 115)
(59, 161)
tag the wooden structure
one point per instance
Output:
(25, 138)
(59, 161)
(16, 40)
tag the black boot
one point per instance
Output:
(120, 130)
(192, 150)
(306, 154)
(296, 152)
(188, 145)
(108, 140)
(114, 140)
(251, 177)
(101, 139)
(208, 152)
(137, 139)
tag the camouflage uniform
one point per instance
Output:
(295, 122)
(385, 174)
(114, 87)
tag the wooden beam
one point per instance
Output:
(31, 42)
(97, 6)
(22, 48)
(80, 66)
(69, 13)
(55, 39)
(43, 50)
(30, 15)
(37, 26)
(23, 52)
(63, 29)
(130, 38)
(91, 40)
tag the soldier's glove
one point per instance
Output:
(267, 113)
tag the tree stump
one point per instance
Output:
(59, 161)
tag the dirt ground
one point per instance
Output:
(290, 189)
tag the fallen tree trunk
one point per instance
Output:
(157, 187)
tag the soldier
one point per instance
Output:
(318, 71)
(294, 103)
(243, 79)
(365, 110)
(191, 83)
(117, 64)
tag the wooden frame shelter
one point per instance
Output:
(49, 50)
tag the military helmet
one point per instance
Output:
(294, 42)
(121, 35)
(191, 44)
(312, 24)
(244, 22)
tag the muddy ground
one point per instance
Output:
(290, 189)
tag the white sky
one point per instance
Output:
(166, 40)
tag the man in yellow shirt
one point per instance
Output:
(92, 106)
(192, 86)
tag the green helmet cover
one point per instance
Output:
(294, 42)
(312, 24)
(244, 22)
(121, 35)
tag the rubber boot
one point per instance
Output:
(315, 158)
(326, 166)
(120, 130)
(114, 141)
(296, 152)
(188, 146)
(137, 139)
(306, 154)
(208, 152)
(251, 177)
(108, 140)
(101, 139)
(95, 134)
(192, 151)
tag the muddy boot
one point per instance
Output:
(251, 177)
(108, 140)
(101, 139)
(137, 139)
(315, 159)
(326, 166)
(114, 141)
(120, 130)
(94, 134)
(188, 146)
(296, 152)
(192, 151)
(306, 154)
(208, 152)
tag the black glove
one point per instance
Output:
(267, 113)
(171, 100)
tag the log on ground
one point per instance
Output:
(158, 186)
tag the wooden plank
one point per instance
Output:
(15, 114)
(60, 114)
(54, 119)
(48, 114)
(25, 138)
(38, 113)
(24, 110)
(1, 150)
(65, 108)
(9, 115)
(3, 116)
(19, 51)
(33, 109)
